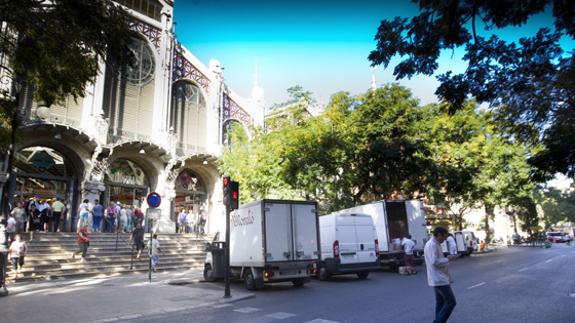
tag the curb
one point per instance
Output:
(223, 300)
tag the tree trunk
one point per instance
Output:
(489, 209)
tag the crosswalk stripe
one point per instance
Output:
(280, 315)
(247, 310)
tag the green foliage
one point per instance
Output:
(528, 83)
(557, 206)
(55, 47)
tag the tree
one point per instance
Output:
(53, 49)
(529, 83)
(557, 206)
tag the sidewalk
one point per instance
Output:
(111, 299)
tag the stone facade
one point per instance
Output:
(156, 126)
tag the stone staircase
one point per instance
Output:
(50, 256)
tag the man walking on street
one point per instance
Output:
(438, 275)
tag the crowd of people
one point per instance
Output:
(38, 214)
(191, 222)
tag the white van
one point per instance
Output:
(348, 245)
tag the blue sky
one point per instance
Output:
(320, 45)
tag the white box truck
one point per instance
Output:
(271, 241)
(348, 245)
(393, 221)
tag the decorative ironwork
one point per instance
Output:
(153, 34)
(232, 110)
(183, 69)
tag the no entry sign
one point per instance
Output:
(154, 200)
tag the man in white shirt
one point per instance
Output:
(438, 275)
(408, 246)
(451, 245)
(154, 252)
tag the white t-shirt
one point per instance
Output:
(408, 246)
(436, 264)
(11, 225)
(155, 246)
(451, 245)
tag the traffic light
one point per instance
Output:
(235, 195)
(226, 182)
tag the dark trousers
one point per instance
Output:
(18, 262)
(82, 248)
(56, 217)
(444, 303)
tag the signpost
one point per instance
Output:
(154, 200)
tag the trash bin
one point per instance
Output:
(217, 249)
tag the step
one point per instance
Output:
(100, 274)
(51, 263)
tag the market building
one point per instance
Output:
(158, 125)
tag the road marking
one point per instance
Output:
(572, 295)
(476, 285)
(222, 305)
(548, 260)
(280, 315)
(321, 321)
(247, 310)
(523, 269)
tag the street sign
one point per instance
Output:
(154, 200)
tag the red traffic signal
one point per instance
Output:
(235, 195)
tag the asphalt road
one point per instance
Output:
(517, 284)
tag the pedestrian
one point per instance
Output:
(130, 216)
(35, 219)
(16, 253)
(182, 221)
(111, 217)
(19, 213)
(138, 238)
(154, 252)
(84, 213)
(46, 214)
(190, 221)
(408, 246)
(451, 245)
(83, 241)
(438, 275)
(97, 216)
(58, 209)
(202, 219)
(123, 223)
(10, 228)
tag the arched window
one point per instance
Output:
(140, 70)
(150, 8)
(126, 172)
(187, 112)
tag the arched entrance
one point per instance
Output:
(44, 174)
(126, 183)
(191, 193)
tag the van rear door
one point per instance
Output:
(305, 232)
(416, 223)
(278, 237)
(345, 235)
(365, 236)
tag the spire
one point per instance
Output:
(373, 82)
(257, 97)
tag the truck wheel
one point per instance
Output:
(323, 274)
(208, 273)
(363, 274)
(249, 281)
(298, 282)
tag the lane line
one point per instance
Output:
(280, 315)
(247, 310)
(548, 260)
(476, 285)
(523, 269)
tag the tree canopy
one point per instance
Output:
(529, 83)
(54, 47)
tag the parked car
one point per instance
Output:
(557, 237)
